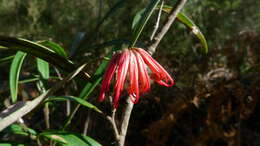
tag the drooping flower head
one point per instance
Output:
(129, 67)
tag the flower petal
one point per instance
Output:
(133, 74)
(160, 75)
(108, 76)
(121, 75)
(144, 79)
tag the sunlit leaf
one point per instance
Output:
(5, 59)
(75, 99)
(55, 47)
(97, 77)
(20, 130)
(16, 129)
(43, 68)
(70, 139)
(11, 144)
(21, 108)
(14, 74)
(137, 18)
(90, 86)
(37, 50)
(181, 17)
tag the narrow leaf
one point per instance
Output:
(55, 47)
(16, 129)
(5, 59)
(21, 108)
(90, 86)
(39, 51)
(75, 99)
(70, 139)
(11, 144)
(137, 18)
(141, 19)
(20, 130)
(97, 78)
(43, 68)
(181, 17)
(14, 74)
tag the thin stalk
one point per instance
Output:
(125, 121)
(170, 19)
(47, 115)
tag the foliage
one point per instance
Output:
(214, 101)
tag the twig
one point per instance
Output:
(68, 108)
(156, 26)
(86, 125)
(111, 119)
(125, 120)
(158, 37)
(47, 115)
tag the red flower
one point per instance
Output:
(132, 63)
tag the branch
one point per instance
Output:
(111, 119)
(156, 26)
(158, 37)
(125, 120)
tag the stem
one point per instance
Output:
(72, 114)
(111, 119)
(125, 121)
(86, 125)
(156, 26)
(158, 37)
(47, 115)
(68, 107)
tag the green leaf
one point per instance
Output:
(141, 18)
(137, 18)
(11, 144)
(70, 139)
(21, 108)
(55, 47)
(43, 68)
(97, 77)
(16, 129)
(37, 50)
(75, 99)
(14, 74)
(181, 17)
(29, 80)
(90, 86)
(5, 59)
(20, 130)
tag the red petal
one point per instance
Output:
(143, 75)
(134, 85)
(121, 75)
(108, 76)
(160, 75)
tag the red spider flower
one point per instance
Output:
(132, 64)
